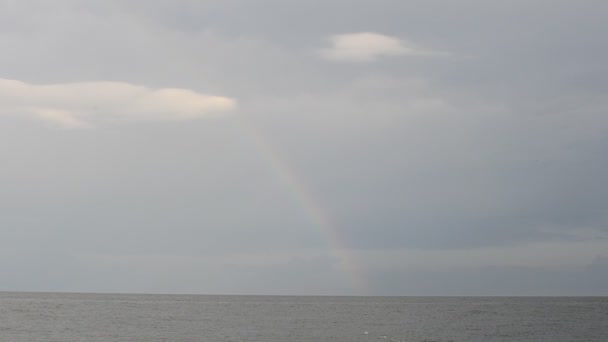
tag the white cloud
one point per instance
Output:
(82, 104)
(368, 47)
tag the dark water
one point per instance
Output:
(102, 317)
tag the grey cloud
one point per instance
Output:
(491, 281)
(471, 172)
(500, 149)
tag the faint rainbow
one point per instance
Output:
(311, 206)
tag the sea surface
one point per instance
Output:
(32, 317)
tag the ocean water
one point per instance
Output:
(32, 317)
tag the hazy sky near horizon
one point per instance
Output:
(385, 147)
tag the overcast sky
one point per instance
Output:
(381, 147)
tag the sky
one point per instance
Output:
(321, 147)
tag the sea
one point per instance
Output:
(32, 317)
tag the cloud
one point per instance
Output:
(430, 171)
(82, 104)
(368, 47)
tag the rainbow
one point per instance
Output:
(310, 205)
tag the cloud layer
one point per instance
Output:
(368, 47)
(434, 168)
(82, 104)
